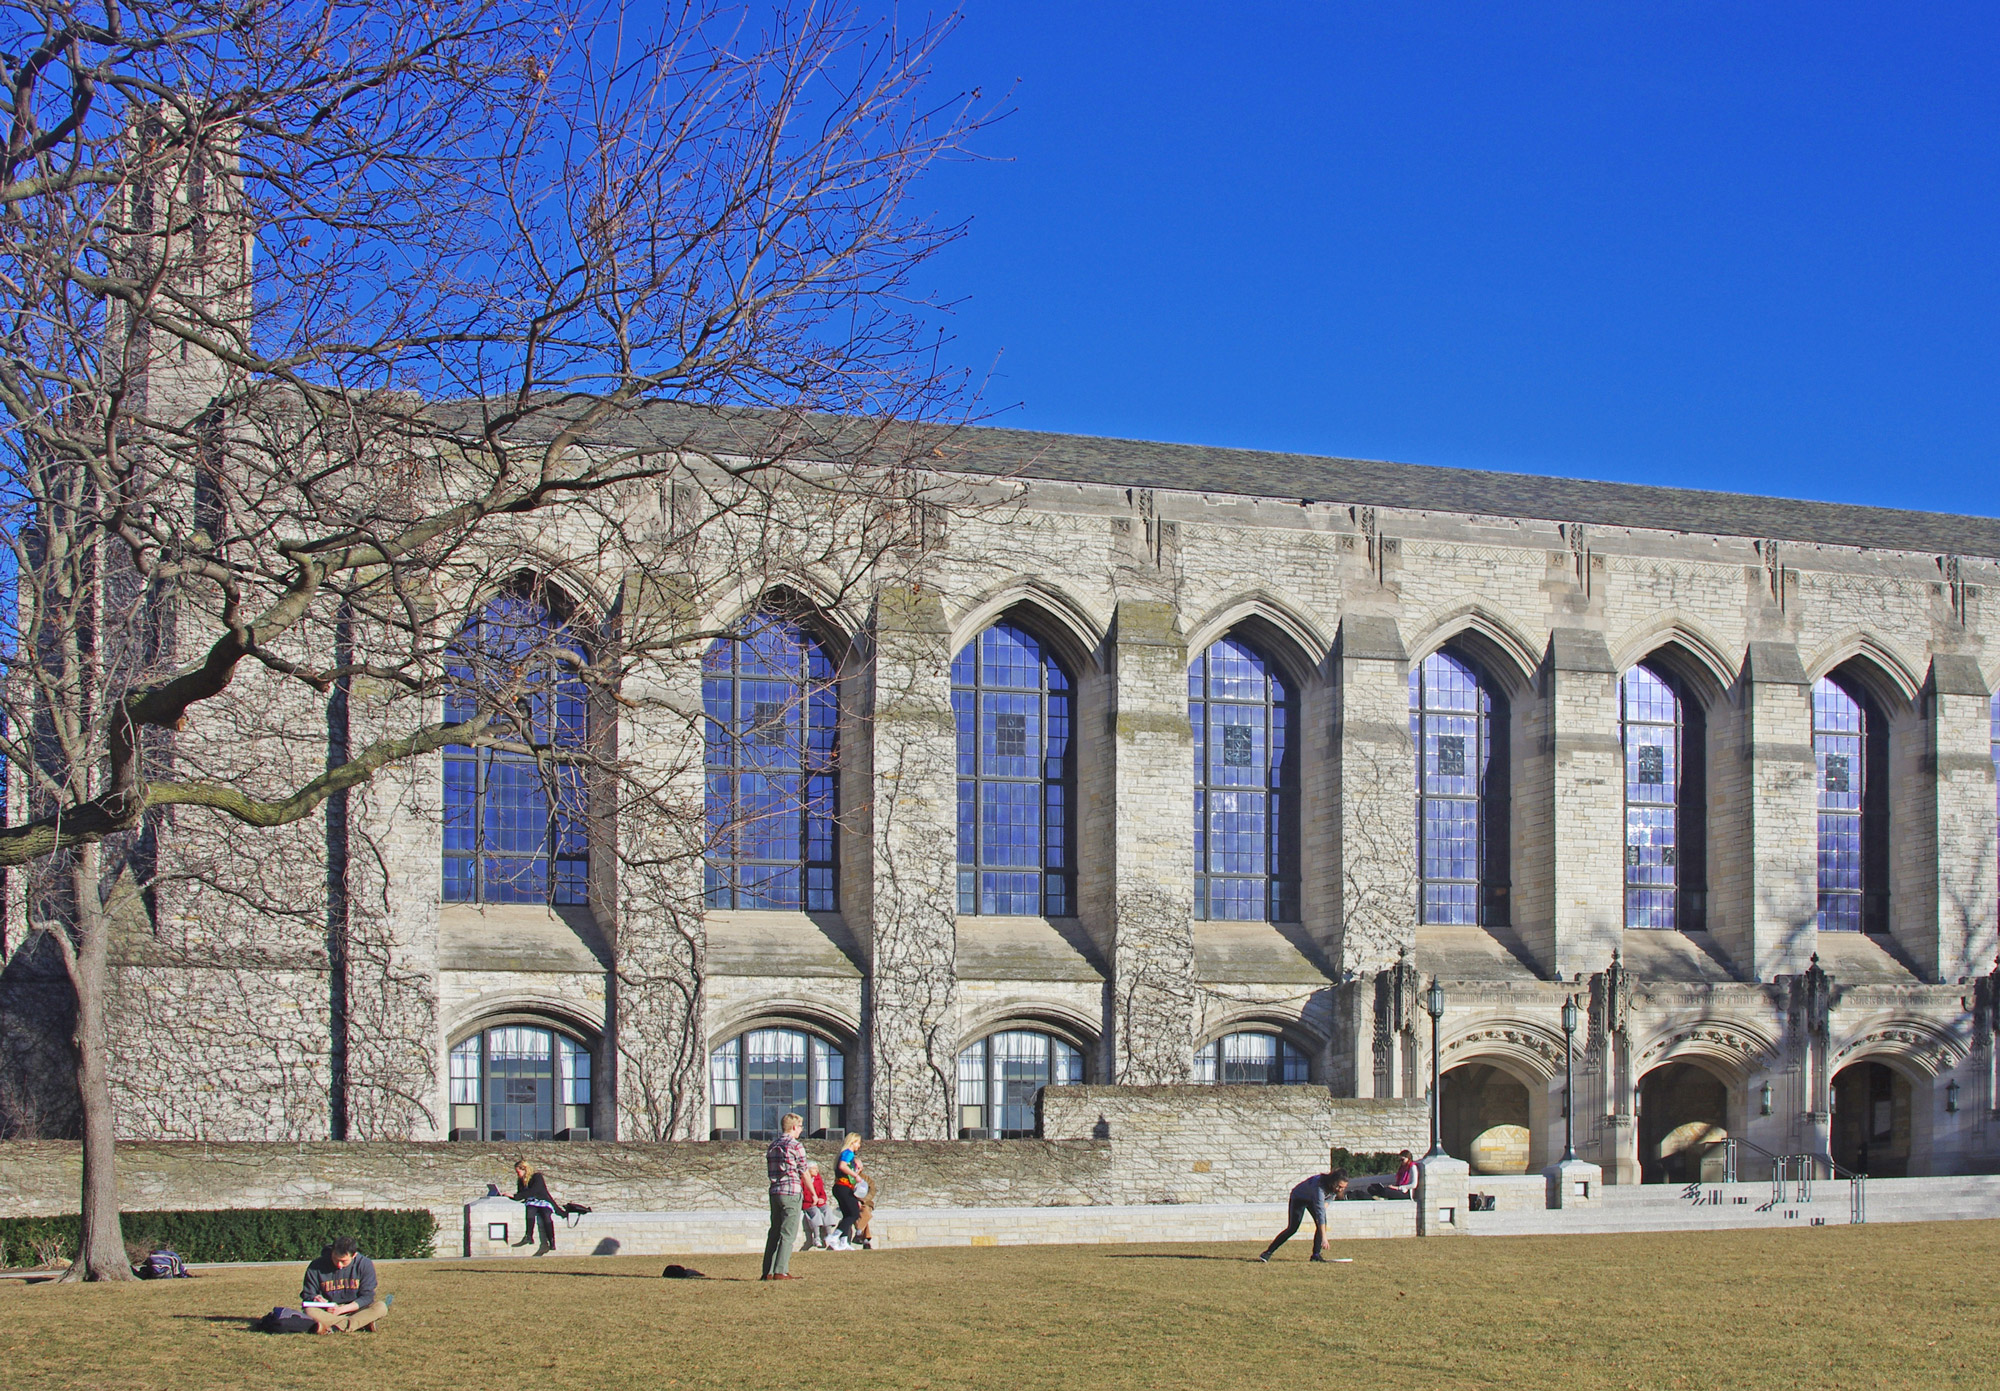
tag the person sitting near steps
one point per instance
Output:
(1403, 1185)
(339, 1291)
(1311, 1197)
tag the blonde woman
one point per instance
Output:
(532, 1189)
(847, 1178)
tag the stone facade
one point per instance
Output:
(317, 982)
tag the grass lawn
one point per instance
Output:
(1847, 1307)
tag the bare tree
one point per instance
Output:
(327, 323)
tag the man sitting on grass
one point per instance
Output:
(340, 1290)
(1311, 1197)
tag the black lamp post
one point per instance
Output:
(1434, 1003)
(1569, 1108)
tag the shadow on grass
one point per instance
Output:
(590, 1275)
(248, 1325)
(1177, 1256)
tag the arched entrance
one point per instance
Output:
(1872, 1120)
(1485, 1119)
(1683, 1119)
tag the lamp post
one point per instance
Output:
(1569, 1108)
(1434, 1003)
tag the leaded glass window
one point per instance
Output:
(520, 1082)
(1251, 1058)
(1461, 793)
(1840, 737)
(1652, 732)
(773, 713)
(755, 1078)
(1000, 1076)
(1011, 702)
(1245, 787)
(516, 809)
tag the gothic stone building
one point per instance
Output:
(1196, 764)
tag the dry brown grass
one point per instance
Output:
(1846, 1307)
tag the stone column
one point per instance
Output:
(1442, 1183)
(911, 904)
(1152, 860)
(1374, 798)
(1947, 920)
(384, 933)
(657, 1004)
(1569, 809)
(1763, 817)
(1374, 848)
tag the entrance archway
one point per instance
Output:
(1683, 1118)
(1872, 1129)
(1485, 1118)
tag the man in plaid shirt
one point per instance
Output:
(786, 1163)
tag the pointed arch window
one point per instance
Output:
(1850, 757)
(516, 810)
(1011, 702)
(772, 701)
(1459, 729)
(1651, 723)
(1246, 813)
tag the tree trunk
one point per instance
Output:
(101, 1252)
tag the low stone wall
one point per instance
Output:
(1108, 1146)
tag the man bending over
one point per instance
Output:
(340, 1290)
(1311, 1197)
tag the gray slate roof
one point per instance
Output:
(1353, 482)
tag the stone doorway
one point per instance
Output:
(1872, 1120)
(1683, 1119)
(1484, 1117)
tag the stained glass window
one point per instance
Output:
(773, 712)
(1459, 791)
(755, 1078)
(1840, 732)
(1251, 1058)
(519, 1082)
(1000, 1076)
(1011, 702)
(516, 813)
(1245, 787)
(1652, 729)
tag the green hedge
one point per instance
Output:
(237, 1234)
(1376, 1162)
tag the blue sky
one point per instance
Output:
(1719, 246)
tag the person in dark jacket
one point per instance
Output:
(1311, 1197)
(532, 1189)
(339, 1291)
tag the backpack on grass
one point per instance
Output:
(283, 1320)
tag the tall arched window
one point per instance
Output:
(755, 1078)
(1850, 754)
(1251, 1057)
(1012, 705)
(1000, 1076)
(1246, 813)
(1652, 730)
(1996, 755)
(515, 812)
(773, 711)
(1461, 793)
(520, 1082)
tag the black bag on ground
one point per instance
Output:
(682, 1272)
(283, 1320)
